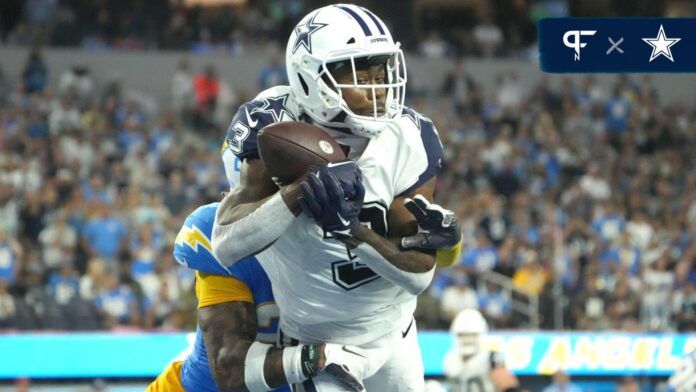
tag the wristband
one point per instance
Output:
(448, 256)
(292, 365)
(253, 367)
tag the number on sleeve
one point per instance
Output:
(267, 316)
(240, 134)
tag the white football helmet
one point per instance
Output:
(469, 328)
(342, 34)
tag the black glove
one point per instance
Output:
(348, 175)
(438, 228)
(324, 198)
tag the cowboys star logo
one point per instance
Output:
(304, 34)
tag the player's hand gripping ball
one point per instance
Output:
(333, 195)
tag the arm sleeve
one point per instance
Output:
(414, 282)
(250, 234)
(214, 289)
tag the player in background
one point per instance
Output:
(684, 377)
(469, 367)
(347, 75)
(235, 308)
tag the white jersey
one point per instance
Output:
(684, 377)
(323, 291)
(474, 374)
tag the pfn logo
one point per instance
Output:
(576, 44)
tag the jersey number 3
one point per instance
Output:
(350, 274)
(241, 133)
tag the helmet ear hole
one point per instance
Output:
(304, 84)
(350, 41)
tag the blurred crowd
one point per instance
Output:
(147, 24)
(94, 187)
(481, 28)
(579, 194)
(435, 29)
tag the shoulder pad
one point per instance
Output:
(252, 116)
(193, 249)
(192, 246)
(431, 144)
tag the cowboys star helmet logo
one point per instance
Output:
(304, 34)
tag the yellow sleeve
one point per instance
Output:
(448, 256)
(216, 289)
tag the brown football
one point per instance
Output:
(289, 148)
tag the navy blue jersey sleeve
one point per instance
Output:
(432, 145)
(251, 117)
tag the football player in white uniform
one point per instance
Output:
(349, 246)
(471, 368)
(684, 377)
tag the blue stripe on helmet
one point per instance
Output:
(359, 19)
(374, 19)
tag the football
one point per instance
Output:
(289, 148)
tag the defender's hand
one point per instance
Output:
(438, 228)
(347, 364)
